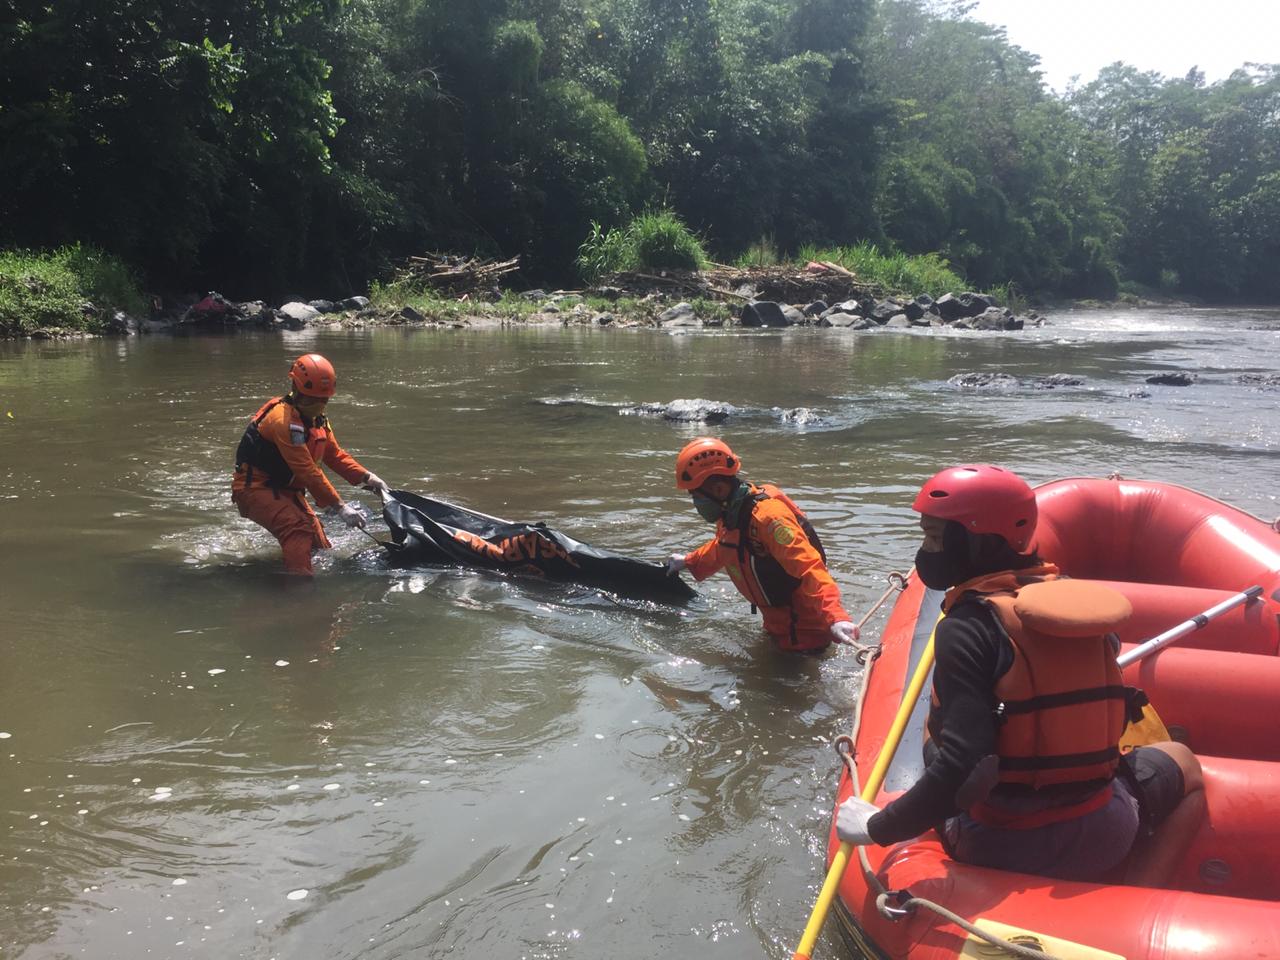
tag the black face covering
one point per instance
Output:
(964, 556)
(935, 570)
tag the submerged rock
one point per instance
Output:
(1005, 381)
(684, 411)
(999, 381)
(1055, 380)
(1259, 379)
(1177, 378)
(800, 416)
(843, 320)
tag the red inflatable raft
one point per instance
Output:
(1174, 553)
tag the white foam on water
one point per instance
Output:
(332, 786)
(451, 760)
(424, 782)
(297, 894)
(282, 663)
(5, 736)
(215, 671)
(292, 786)
(179, 882)
(599, 736)
(684, 816)
(82, 811)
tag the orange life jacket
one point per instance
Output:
(769, 581)
(1063, 702)
(257, 454)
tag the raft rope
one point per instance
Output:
(866, 651)
(904, 903)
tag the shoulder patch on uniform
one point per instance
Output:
(782, 532)
(297, 434)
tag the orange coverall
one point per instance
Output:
(272, 500)
(804, 622)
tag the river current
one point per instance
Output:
(199, 757)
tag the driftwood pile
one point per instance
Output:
(456, 274)
(782, 284)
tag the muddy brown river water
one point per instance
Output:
(200, 758)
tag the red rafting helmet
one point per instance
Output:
(702, 458)
(313, 376)
(984, 499)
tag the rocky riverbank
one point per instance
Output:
(748, 298)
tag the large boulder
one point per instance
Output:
(121, 322)
(898, 321)
(681, 315)
(977, 302)
(950, 308)
(354, 303)
(996, 318)
(763, 313)
(213, 309)
(884, 310)
(795, 316)
(299, 313)
(846, 306)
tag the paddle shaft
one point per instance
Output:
(1186, 627)
(841, 860)
(869, 790)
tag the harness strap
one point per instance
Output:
(991, 816)
(1069, 699)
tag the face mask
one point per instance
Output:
(708, 509)
(934, 569)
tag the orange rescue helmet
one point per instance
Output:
(313, 376)
(983, 499)
(703, 458)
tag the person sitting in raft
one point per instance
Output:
(771, 551)
(278, 460)
(1023, 767)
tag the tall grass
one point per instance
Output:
(895, 272)
(656, 240)
(49, 289)
(762, 253)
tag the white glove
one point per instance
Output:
(352, 516)
(851, 821)
(675, 563)
(375, 482)
(845, 631)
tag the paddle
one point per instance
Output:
(838, 863)
(1187, 626)
(869, 791)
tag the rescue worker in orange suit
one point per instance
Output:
(1023, 769)
(278, 462)
(768, 547)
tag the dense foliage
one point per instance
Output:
(263, 147)
(73, 288)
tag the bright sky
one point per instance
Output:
(1168, 36)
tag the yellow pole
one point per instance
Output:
(869, 791)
